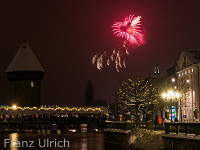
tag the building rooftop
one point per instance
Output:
(25, 60)
(193, 56)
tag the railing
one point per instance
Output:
(180, 127)
(47, 123)
(125, 125)
(52, 119)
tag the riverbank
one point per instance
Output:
(137, 139)
(146, 139)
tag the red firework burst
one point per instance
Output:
(129, 29)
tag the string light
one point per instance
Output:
(78, 109)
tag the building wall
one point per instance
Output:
(189, 90)
(24, 88)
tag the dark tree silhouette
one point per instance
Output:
(89, 94)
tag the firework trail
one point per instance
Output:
(117, 57)
(129, 29)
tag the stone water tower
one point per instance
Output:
(25, 74)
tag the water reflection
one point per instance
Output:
(48, 131)
(77, 141)
(13, 139)
(84, 143)
(58, 131)
(83, 127)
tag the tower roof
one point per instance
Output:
(25, 60)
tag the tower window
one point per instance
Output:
(32, 84)
(156, 69)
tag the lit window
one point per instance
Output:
(182, 73)
(179, 75)
(185, 72)
(32, 84)
(192, 69)
(188, 71)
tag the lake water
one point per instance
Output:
(30, 139)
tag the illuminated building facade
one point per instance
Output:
(25, 74)
(188, 84)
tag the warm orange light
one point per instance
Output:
(164, 95)
(14, 106)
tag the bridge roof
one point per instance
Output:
(42, 110)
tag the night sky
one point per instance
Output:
(66, 34)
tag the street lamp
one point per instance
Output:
(170, 95)
(173, 80)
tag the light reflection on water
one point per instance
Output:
(77, 141)
(13, 137)
(84, 144)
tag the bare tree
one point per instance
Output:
(134, 96)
